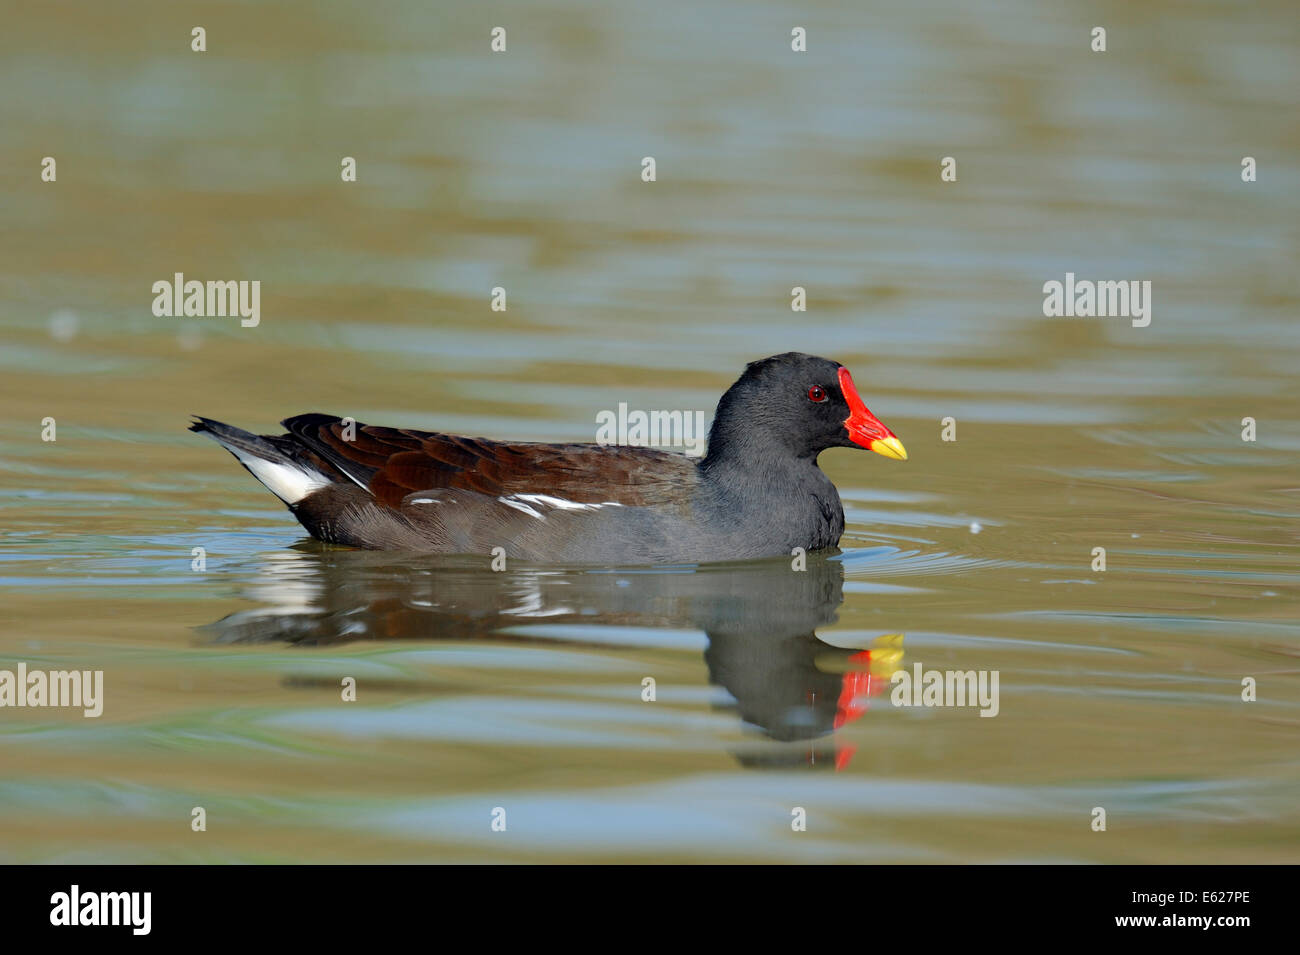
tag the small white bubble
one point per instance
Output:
(1135, 536)
(975, 527)
(63, 325)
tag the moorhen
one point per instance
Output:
(756, 493)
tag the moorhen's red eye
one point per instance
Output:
(816, 393)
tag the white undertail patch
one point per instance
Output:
(289, 482)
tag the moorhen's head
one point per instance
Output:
(799, 405)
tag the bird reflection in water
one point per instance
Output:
(760, 618)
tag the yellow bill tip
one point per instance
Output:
(890, 448)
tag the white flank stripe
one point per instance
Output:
(508, 502)
(559, 503)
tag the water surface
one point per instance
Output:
(523, 689)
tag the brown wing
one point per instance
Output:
(393, 462)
